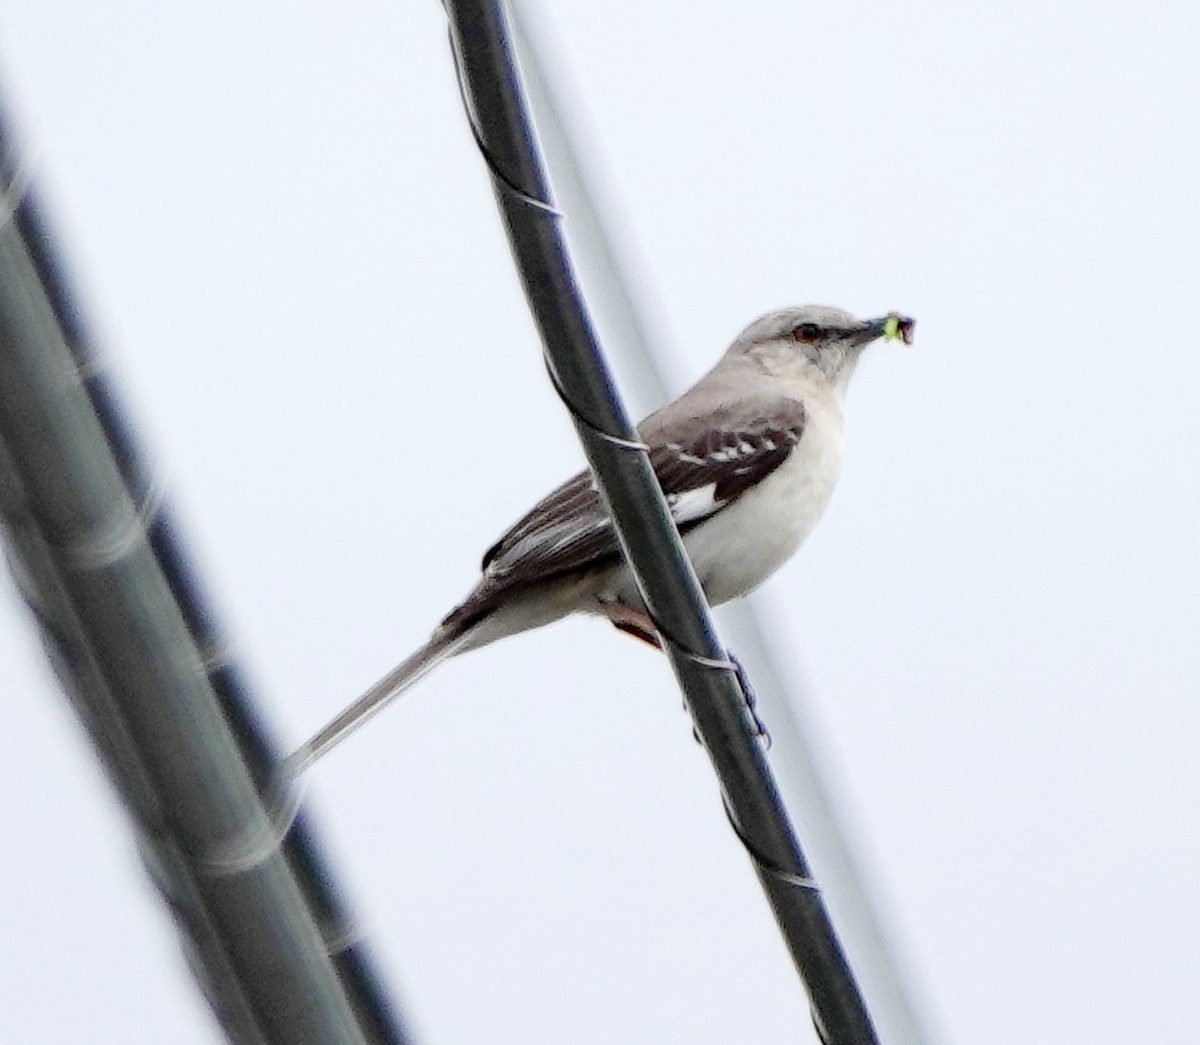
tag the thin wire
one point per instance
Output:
(259, 840)
(544, 206)
(118, 537)
(802, 881)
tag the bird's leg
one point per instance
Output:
(632, 622)
(640, 626)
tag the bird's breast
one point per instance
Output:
(743, 545)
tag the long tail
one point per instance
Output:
(443, 644)
(262, 838)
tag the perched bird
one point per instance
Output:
(747, 458)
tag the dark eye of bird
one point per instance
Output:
(807, 332)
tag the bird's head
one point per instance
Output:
(816, 341)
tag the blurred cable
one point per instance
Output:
(804, 779)
(140, 655)
(499, 119)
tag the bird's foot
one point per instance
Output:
(750, 698)
(639, 624)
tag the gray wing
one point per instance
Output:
(703, 465)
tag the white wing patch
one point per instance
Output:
(690, 505)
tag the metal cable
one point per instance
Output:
(128, 630)
(500, 124)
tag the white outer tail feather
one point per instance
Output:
(441, 646)
(260, 839)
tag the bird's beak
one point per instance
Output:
(892, 327)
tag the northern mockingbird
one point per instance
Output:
(747, 458)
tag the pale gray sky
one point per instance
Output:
(284, 236)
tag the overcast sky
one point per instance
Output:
(287, 243)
